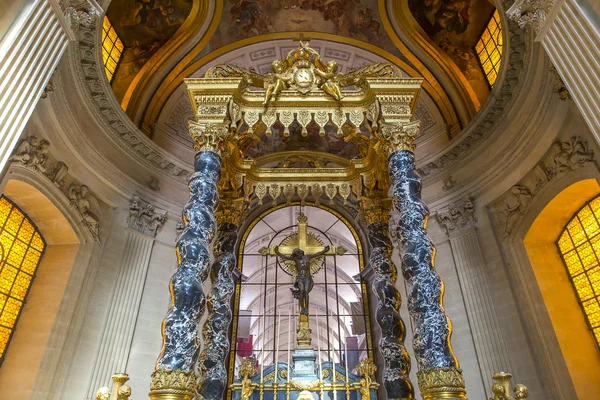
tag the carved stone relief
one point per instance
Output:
(144, 218)
(530, 13)
(562, 157)
(80, 13)
(34, 154)
(458, 216)
(112, 116)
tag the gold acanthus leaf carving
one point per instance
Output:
(447, 381)
(208, 137)
(398, 136)
(173, 380)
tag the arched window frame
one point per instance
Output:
(112, 49)
(579, 247)
(489, 49)
(16, 273)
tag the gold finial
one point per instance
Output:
(501, 389)
(302, 218)
(247, 368)
(120, 391)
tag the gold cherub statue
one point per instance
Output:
(330, 76)
(277, 81)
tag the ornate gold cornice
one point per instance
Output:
(169, 384)
(376, 209)
(441, 383)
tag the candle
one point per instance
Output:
(264, 332)
(277, 340)
(319, 347)
(345, 345)
(289, 342)
(332, 355)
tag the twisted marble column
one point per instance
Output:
(396, 371)
(174, 376)
(212, 368)
(438, 376)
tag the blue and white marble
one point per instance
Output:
(431, 326)
(194, 252)
(396, 370)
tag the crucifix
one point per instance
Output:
(303, 251)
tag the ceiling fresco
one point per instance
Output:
(455, 26)
(357, 19)
(143, 26)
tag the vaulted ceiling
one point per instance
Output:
(166, 41)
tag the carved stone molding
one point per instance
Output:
(80, 13)
(34, 154)
(144, 218)
(495, 110)
(530, 13)
(562, 157)
(111, 116)
(458, 216)
(558, 86)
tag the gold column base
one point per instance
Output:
(169, 384)
(303, 333)
(442, 383)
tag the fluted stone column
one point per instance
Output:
(117, 333)
(459, 223)
(174, 376)
(569, 31)
(439, 376)
(212, 366)
(31, 50)
(376, 213)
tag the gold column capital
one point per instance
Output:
(170, 384)
(230, 210)
(208, 136)
(400, 136)
(376, 209)
(442, 383)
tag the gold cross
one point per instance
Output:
(300, 38)
(302, 243)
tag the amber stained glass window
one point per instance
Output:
(489, 48)
(112, 48)
(579, 245)
(21, 247)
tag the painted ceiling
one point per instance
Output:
(149, 30)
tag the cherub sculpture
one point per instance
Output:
(103, 394)
(330, 77)
(277, 82)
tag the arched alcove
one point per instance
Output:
(40, 313)
(576, 343)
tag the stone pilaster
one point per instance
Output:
(570, 35)
(176, 363)
(459, 223)
(439, 376)
(31, 50)
(212, 366)
(117, 334)
(376, 213)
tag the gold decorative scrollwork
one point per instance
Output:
(208, 137)
(167, 382)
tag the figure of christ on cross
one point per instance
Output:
(304, 281)
(302, 253)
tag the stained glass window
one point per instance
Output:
(579, 245)
(112, 48)
(489, 48)
(21, 247)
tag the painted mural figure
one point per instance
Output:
(304, 282)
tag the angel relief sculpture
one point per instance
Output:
(88, 208)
